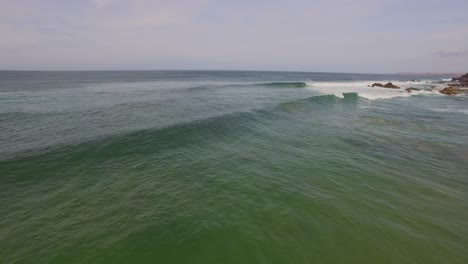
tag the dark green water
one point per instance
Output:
(230, 167)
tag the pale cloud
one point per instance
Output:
(451, 53)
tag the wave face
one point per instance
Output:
(203, 167)
(285, 84)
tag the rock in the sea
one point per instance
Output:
(447, 91)
(453, 91)
(387, 85)
(463, 80)
(411, 89)
(391, 85)
(377, 85)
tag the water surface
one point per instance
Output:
(230, 167)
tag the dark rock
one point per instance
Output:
(462, 79)
(447, 91)
(411, 89)
(453, 91)
(391, 85)
(458, 84)
(387, 85)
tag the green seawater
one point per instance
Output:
(230, 167)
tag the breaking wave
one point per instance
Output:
(364, 90)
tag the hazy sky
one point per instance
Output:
(323, 35)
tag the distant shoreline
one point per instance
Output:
(431, 73)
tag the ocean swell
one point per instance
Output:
(284, 84)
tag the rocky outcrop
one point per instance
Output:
(411, 89)
(387, 85)
(463, 80)
(453, 91)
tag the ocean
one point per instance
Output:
(231, 167)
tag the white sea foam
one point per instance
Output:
(372, 93)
